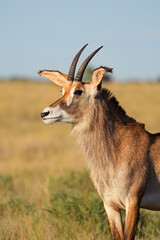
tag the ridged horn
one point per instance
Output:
(82, 68)
(73, 65)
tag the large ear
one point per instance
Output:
(97, 75)
(55, 76)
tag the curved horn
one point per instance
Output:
(82, 68)
(73, 65)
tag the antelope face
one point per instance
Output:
(75, 94)
(67, 108)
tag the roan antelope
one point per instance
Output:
(123, 158)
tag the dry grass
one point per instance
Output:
(32, 153)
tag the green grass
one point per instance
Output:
(74, 211)
(45, 193)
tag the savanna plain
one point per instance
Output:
(45, 189)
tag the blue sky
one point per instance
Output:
(38, 34)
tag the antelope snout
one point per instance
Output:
(44, 114)
(51, 115)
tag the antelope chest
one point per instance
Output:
(115, 186)
(112, 190)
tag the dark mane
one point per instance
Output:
(115, 108)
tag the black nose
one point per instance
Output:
(43, 114)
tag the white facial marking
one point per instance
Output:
(63, 91)
(55, 115)
(70, 97)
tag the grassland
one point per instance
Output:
(45, 191)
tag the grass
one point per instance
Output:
(45, 191)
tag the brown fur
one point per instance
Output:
(114, 143)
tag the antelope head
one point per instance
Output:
(76, 95)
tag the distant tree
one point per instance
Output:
(88, 74)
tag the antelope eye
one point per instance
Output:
(78, 92)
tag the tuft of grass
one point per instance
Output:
(6, 183)
(149, 225)
(19, 205)
(76, 200)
